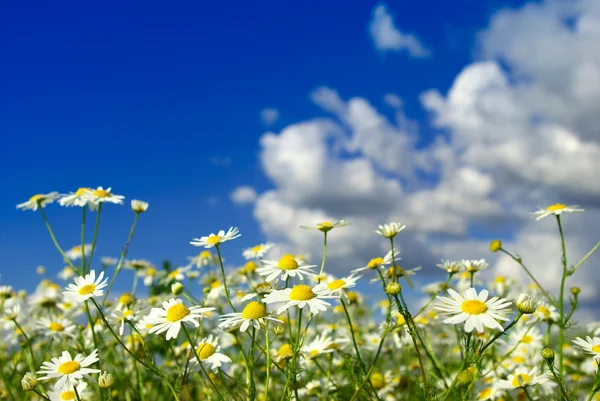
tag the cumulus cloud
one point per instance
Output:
(243, 195)
(520, 130)
(269, 116)
(387, 37)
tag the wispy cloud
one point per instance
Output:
(243, 195)
(269, 116)
(387, 37)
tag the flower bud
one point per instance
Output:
(105, 380)
(393, 288)
(526, 304)
(495, 245)
(575, 291)
(177, 288)
(465, 378)
(139, 206)
(29, 382)
(548, 355)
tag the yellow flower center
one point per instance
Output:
(151, 271)
(68, 395)
(215, 284)
(500, 280)
(519, 359)
(55, 326)
(177, 312)
(250, 267)
(82, 191)
(128, 313)
(69, 367)
(352, 297)
(336, 284)
(126, 299)
(213, 240)
(596, 348)
(254, 310)
(545, 311)
(313, 353)
(287, 262)
(205, 254)
(205, 350)
(87, 289)
(377, 380)
(285, 351)
(301, 292)
(485, 393)
(473, 307)
(556, 207)
(521, 379)
(100, 193)
(257, 248)
(527, 339)
(375, 263)
(36, 198)
(325, 226)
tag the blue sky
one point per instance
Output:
(163, 103)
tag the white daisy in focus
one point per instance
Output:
(258, 251)
(254, 314)
(216, 239)
(286, 266)
(301, 295)
(100, 195)
(474, 309)
(38, 200)
(589, 345)
(75, 252)
(86, 287)
(172, 315)
(378, 263)
(208, 352)
(390, 230)
(326, 226)
(81, 198)
(68, 371)
(522, 377)
(67, 393)
(557, 209)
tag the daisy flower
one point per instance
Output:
(216, 239)
(390, 230)
(205, 258)
(522, 377)
(178, 274)
(100, 195)
(138, 264)
(322, 344)
(121, 316)
(75, 252)
(40, 200)
(336, 286)
(208, 352)
(67, 273)
(81, 198)
(326, 226)
(545, 311)
(149, 275)
(378, 263)
(68, 371)
(254, 314)
(301, 295)
(86, 287)
(172, 315)
(450, 266)
(473, 266)
(287, 266)
(557, 209)
(591, 346)
(67, 393)
(139, 206)
(258, 251)
(59, 327)
(473, 309)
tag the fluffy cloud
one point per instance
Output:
(269, 116)
(387, 37)
(243, 195)
(520, 130)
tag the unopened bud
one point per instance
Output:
(548, 355)
(139, 206)
(105, 380)
(393, 288)
(465, 378)
(575, 291)
(177, 288)
(526, 304)
(495, 245)
(29, 381)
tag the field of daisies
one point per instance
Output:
(286, 329)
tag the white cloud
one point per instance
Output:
(269, 116)
(387, 37)
(243, 195)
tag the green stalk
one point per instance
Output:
(224, 278)
(83, 240)
(67, 260)
(89, 262)
(187, 334)
(268, 355)
(324, 256)
(561, 301)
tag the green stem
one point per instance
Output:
(498, 334)
(67, 260)
(84, 208)
(561, 301)
(252, 388)
(585, 257)
(520, 262)
(76, 393)
(187, 334)
(435, 295)
(362, 364)
(224, 278)
(89, 262)
(29, 345)
(324, 257)
(268, 355)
